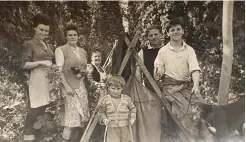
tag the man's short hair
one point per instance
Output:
(41, 18)
(116, 80)
(174, 22)
(158, 27)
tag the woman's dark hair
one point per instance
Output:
(158, 27)
(96, 49)
(41, 18)
(174, 22)
(71, 26)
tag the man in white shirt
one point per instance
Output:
(174, 65)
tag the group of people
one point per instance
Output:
(37, 56)
(174, 64)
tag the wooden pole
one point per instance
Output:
(128, 53)
(226, 68)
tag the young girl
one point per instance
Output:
(117, 112)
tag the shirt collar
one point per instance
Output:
(150, 47)
(36, 40)
(182, 48)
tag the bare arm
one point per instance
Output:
(196, 78)
(159, 66)
(138, 69)
(139, 73)
(194, 69)
(60, 62)
(31, 65)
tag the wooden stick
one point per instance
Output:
(109, 55)
(90, 126)
(129, 51)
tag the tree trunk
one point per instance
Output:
(226, 68)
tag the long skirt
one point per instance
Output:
(76, 107)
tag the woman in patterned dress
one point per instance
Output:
(69, 57)
(37, 57)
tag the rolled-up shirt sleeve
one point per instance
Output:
(159, 60)
(26, 54)
(192, 61)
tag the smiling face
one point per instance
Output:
(42, 31)
(154, 37)
(96, 58)
(72, 37)
(176, 33)
(114, 91)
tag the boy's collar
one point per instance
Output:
(184, 45)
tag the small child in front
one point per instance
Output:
(117, 112)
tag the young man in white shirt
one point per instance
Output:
(175, 65)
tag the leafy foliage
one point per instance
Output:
(203, 31)
(99, 26)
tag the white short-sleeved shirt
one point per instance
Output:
(177, 64)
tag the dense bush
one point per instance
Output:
(100, 23)
(203, 31)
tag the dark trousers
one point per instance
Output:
(31, 119)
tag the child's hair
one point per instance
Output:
(174, 22)
(116, 80)
(71, 26)
(157, 27)
(41, 18)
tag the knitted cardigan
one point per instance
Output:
(120, 116)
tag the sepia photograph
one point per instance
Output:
(122, 71)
